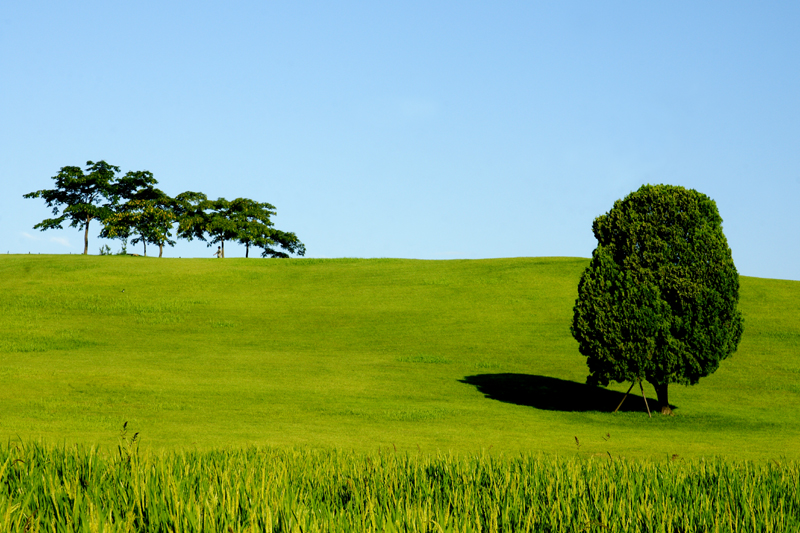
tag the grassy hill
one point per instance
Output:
(360, 354)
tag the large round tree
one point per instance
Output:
(658, 301)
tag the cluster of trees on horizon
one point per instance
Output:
(131, 207)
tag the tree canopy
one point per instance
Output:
(206, 220)
(131, 206)
(148, 221)
(256, 229)
(147, 214)
(80, 197)
(243, 220)
(658, 301)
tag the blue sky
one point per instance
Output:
(432, 130)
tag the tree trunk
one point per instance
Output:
(86, 238)
(160, 249)
(247, 250)
(223, 249)
(663, 398)
(145, 247)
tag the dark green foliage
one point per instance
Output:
(256, 229)
(97, 195)
(147, 221)
(131, 206)
(275, 238)
(84, 197)
(148, 215)
(242, 220)
(659, 299)
(191, 216)
(206, 220)
(138, 185)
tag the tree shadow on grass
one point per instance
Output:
(553, 394)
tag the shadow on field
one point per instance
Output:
(555, 394)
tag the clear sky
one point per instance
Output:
(431, 130)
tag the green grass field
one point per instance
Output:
(66, 489)
(421, 356)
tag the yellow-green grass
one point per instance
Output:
(52, 488)
(448, 356)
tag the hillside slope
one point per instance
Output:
(361, 354)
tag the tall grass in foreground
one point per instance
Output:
(46, 488)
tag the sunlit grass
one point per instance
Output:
(360, 354)
(79, 489)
